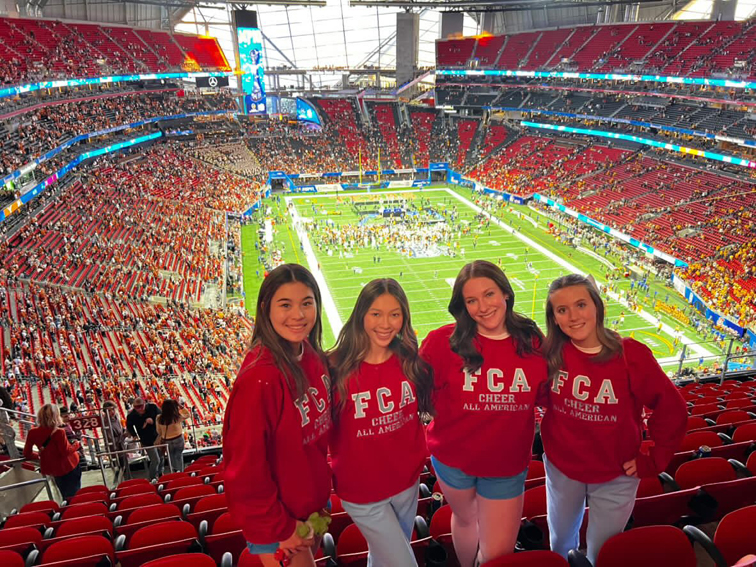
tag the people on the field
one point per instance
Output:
(378, 447)
(275, 433)
(487, 373)
(593, 430)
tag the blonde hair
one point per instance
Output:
(49, 416)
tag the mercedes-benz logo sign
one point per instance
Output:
(212, 81)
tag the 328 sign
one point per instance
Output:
(89, 422)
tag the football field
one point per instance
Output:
(422, 237)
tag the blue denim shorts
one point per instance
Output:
(262, 548)
(493, 488)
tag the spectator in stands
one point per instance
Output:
(488, 349)
(57, 457)
(275, 434)
(171, 431)
(376, 370)
(115, 436)
(141, 423)
(593, 451)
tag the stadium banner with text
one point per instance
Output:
(684, 289)
(699, 81)
(62, 83)
(644, 141)
(609, 230)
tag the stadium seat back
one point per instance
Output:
(134, 482)
(83, 525)
(86, 509)
(224, 524)
(11, 558)
(534, 503)
(134, 489)
(528, 559)
(27, 519)
(740, 403)
(193, 492)
(93, 488)
(696, 439)
(650, 546)
(162, 532)
(536, 470)
(734, 536)
(168, 477)
(704, 471)
(696, 422)
(184, 482)
(666, 508)
(731, 495)
(732, 416)
(353, 543)
(246, 559)
(139, 501)
(154, 512)
(21, 536)
(182, 560)
(41, 506)
(649, 487)
(212, 502)
(745, 432)
(89, 497)
(705, 409)
(77, 547)
(440, 524)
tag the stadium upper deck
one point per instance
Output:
(41, 49)
(690, 49)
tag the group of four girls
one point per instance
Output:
(479, 378)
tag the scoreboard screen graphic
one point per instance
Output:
(251, 61)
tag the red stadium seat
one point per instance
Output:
(86, 509)
(705, 409)
(704, 471)
(696, 439)
(82, 550)
(158, 540)
(730, 495)
(649, 487)
(696, 422)
(745, 432)
(27, 519)
(93, 488)
(534, 503)
(225, 536)
(41, 506)
(139, 501)
(666, 508)
(536, 470)
(733, 416)
(19, 539)
(11, 558)
(191, 495)
(650, 546)
(134, 489)
(89, 497)
(182, 560)
(733, 538)
(528, 559)
(84, 525)
(351, 546)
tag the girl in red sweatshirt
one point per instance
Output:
(487, 373)
(592, 430)
(275, 434)
(378, 443)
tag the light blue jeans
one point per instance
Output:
(610, 504)
(387, 527)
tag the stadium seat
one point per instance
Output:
(84, 525)
(696, 422)
(93, 488)
(224, 536)
(86, 509)
(351, 546)
(155, 541)
(11, 558)
(733, 538)
(705, 409)
(649, 487)
(20, 539)
(536, 470)
(183, 560)
(745, 432)
(89, 497)
(696, 439)
(80, 551)
(40, 506)
(649, 546)
(733, 416)
(528, 559)
(141, 517)
(136, 501)
(339, 518)
(27, 519)
(666, 508)
(704, 471)
(209, 508)
(534, 503)
(190, 495)
(133, 490)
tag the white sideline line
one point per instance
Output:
(325, 293)
(699, 350)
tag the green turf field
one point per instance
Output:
(428, 280)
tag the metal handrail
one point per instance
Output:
(123, 451)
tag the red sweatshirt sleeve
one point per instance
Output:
(29, 447)
(250, 424)
(666, 427)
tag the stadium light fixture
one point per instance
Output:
(490, 5)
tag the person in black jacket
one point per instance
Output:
(141, 423)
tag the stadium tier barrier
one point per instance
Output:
(622, 77)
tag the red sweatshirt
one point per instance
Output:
(593, 422)
(377, 443)
(59, 457)
(275, 448)
(485, 421)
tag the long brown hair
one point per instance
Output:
(525, 333)
(353, 345)
(169, 412)
(265, 335)
(611, 342)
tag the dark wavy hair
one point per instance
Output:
(266, 336)
(611, 342)
(524, 331)
(353, 345)
(169, 412)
